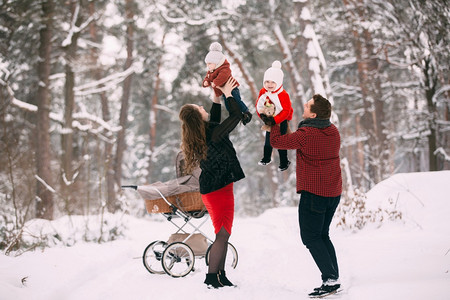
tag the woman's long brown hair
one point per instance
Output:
(193, 137)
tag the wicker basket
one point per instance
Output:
(190, 201)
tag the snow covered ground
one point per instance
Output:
(408, 259)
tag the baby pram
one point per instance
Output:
(180, 202)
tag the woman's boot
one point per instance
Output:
(223, 279)
(212, 281)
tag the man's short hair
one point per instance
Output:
(321, 107)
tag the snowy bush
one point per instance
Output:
(10, 228)
(9, 234)
(66, 231)
(353, 213)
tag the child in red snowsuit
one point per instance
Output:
(273, 94)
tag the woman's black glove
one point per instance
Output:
(246, 117)
(270, 121)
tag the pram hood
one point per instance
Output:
(183, 184)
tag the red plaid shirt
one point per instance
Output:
(318, 163)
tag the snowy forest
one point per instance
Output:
(90, 93)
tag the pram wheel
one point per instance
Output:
(231, 259)
(152, 257)
(178, 259)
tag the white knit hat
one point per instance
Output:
(274, 74)
(215, 55)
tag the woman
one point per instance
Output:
(206, 143)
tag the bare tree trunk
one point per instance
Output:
(359, 148)
(445, 141)
(317, 67)
(430, 82)
(377, 157)
(153, 111)
(98, 74)
(44, 201)
(69, 101)
(121, 146)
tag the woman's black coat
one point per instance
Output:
(221, 166)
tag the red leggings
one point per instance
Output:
(220, 206)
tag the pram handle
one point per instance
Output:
(134, 187)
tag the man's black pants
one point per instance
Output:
(315, 214)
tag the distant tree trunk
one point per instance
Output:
(360, 149)
(153, 111)
(430, 82)
(445, 141)
(98, 74)
(317, 67)
(69, 101)
(121, 146)
(44, 201)
(377, 157)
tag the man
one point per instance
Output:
(319, 182)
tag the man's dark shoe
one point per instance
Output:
(324, 291)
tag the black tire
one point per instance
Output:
(178, 259)
(152, 257)
(232, 256)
